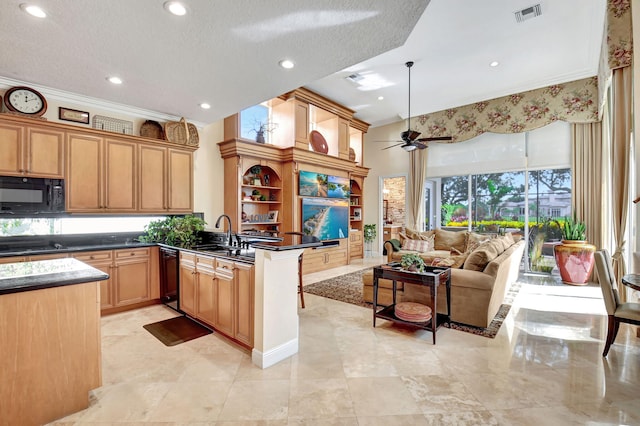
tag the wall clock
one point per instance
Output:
(25, 100)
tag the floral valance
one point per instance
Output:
(575, 102)
(619, 34)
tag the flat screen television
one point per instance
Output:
(338, 187)
(312, 184)
(325, 218)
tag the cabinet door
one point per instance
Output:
(101, 260)
(12, 259)
(180, 194)
(206, 288)
(132, 282)
(11, 138)
(120, 175)
(224, 300)
(84, 169)
(152, 179)
(44, 152)
(244, 293)
(187, 285)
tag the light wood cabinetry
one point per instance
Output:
(356, 215)
(17, 259)
(104, 172)
(296, 113)
(218, 292)
(30, 150)
(101, 174)
(187, 286)
(133, 277)
(164, 174)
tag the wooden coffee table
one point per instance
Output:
(432, 277)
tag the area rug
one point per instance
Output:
(176, 330)
(348, 288)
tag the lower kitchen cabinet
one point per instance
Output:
(218, 292)
(131, 277)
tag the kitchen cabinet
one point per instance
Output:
(16, 259)
(31, 150)
(132, 277)
(100, 174)
(187, 284)
(244, 302)
(220, 293)
(165, 180)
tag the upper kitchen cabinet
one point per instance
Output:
(29, 149)
(165, 180)
(101, 174)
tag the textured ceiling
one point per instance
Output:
(226, 52)
(223, 52)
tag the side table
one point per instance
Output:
(432, 277)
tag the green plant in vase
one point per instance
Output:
(179, 231)
(370, 233)
(412, 262)
(573, 230)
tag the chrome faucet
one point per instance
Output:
(229, 240)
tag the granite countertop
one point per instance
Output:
(289, 242)
(27, 276)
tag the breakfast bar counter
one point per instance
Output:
(49, 339)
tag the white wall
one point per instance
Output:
(208, 174)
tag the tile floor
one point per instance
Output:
(544, 368)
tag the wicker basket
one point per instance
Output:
(181, 133)
(151, 129)
(112, 125)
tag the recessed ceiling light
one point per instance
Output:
(114, 80)
(494, 64)
(287, 64)
(380, 98)
(175, 8)
(33, 10)
(205, 105)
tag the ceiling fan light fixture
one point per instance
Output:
(409, 147)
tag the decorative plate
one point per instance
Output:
(318, 142)
(352, 154)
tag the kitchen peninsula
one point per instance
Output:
(50, 356)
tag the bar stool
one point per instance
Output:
(300, 289)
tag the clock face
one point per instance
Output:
(25, 100)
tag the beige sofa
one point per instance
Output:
(480, 275)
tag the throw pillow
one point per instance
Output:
(418, 245)
(481, 256)
(474, 240)
(416, 235)
(454, 262)
(447, 239)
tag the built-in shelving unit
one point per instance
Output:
(294, 115)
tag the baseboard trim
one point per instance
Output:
(275, 355)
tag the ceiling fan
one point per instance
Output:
(409, 137)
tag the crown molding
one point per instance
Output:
(89, 102)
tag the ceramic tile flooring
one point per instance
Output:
(544, 368)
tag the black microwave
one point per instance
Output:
(20, 195)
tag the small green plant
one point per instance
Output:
(179, 231)
(412, 262)
(573, 229)
(370, 233)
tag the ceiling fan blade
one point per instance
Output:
(420, 145)
(409, 135)
(398, 144)
(437, 138)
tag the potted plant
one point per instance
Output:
(574, 257)
(178, 231)
(412, 262)
(369, 234)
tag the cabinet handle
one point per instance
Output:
(133, 254)
(91, 257)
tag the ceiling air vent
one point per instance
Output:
(355, 77)
(528, 13)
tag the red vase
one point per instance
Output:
(575, 261)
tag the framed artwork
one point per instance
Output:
(74, 115)
(272, 216)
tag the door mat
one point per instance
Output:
(176, 330)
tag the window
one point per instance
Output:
(251, 119)
(75, 225)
